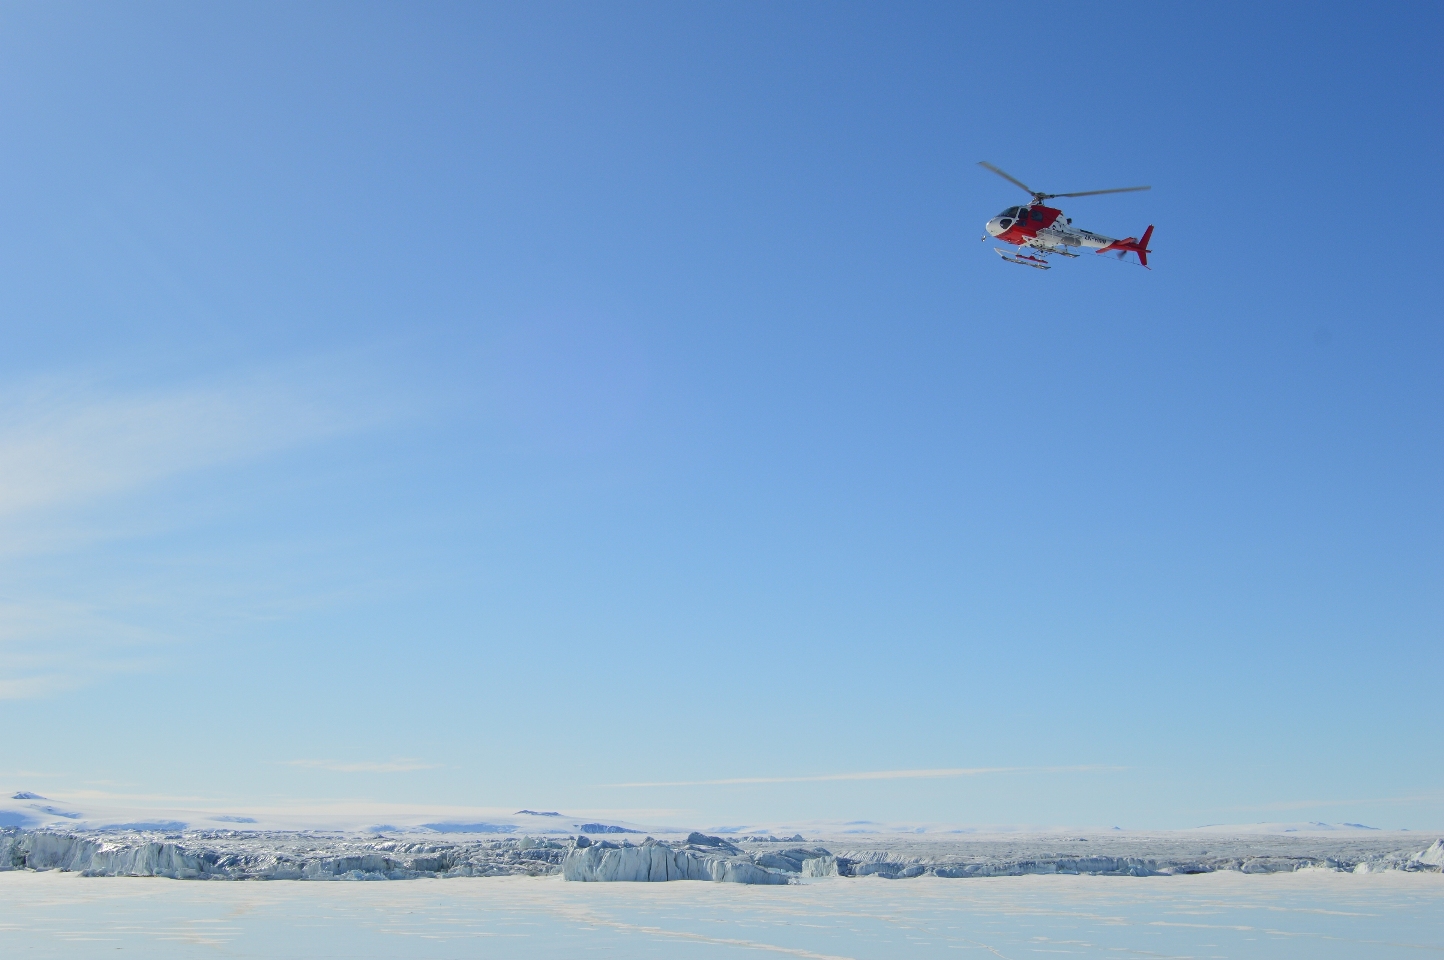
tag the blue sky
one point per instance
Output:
(491, 405)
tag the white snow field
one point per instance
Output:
(1315, 914)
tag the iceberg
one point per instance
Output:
(790, 860)
(653, 861)
(1432, 856)
(819, 867)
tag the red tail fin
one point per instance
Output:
(1142, 249)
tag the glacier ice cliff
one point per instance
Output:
(274, 856)
(654, 860)
(283, 855)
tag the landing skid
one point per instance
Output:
(1023, 259)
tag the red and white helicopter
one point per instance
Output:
(1039, 231)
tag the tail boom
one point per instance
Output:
(1133, 245)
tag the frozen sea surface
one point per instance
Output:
(1311, 914)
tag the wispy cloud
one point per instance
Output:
(65, 442)
(49, 647)
(32, 688)
(930, 774)
(69, 447)
(399, 765)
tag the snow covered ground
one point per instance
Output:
(1318, 915)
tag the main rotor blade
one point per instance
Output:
(1008, 177)
(1094, 193)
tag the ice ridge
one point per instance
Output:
(1433, 856)
(226, 855)
(277, 855)
(654, 861)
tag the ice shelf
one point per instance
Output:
(293, 855)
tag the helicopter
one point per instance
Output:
(1040, 231)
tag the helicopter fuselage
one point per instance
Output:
(1043, 227)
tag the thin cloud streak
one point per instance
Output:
(401, 765)
(936, 774)
(67, 443)
(71, 446)
(52, 647)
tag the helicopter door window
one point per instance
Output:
(1038, 216)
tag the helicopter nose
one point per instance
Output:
(995, 226)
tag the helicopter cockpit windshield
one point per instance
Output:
(1008, 216)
